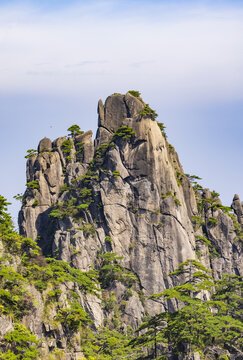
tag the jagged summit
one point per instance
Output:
(117, 111)
(126, 192)
(149, 176)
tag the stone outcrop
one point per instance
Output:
(126, 192)
(238, 208)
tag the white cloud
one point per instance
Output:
(188, 53)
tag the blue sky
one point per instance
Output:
(186, 57)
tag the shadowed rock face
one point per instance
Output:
(139, 197)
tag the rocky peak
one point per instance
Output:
(115, 113)
(45, 145)
(126, 193)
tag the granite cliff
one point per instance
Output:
(124, 193)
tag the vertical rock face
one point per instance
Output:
(45, 176)
(126, 193)
(238, 208)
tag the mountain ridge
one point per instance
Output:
(125, 194)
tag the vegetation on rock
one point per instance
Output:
(123, 132)
(135, 93)
(74, 130)
(30, 153)
(128, 215)
(200, 321)
(148, 112)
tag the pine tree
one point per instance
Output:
(209, 313)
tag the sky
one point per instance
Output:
(58, 58)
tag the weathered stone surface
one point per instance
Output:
(45, 169)
(115, 111)
(56, 146)
(6, 325)
(193, 356)
(215, 353)
(75, 170)
(148, 205)
(140, 199)
(85, 137)
(101, 113)
(134, 105)
(114, 163)
(102, 136)
(87, 143)
(238, 208)
(45, 145)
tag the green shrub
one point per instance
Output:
(32, 185)
(55, 354)
(198, 221)
(148, 112)
(108, 239)
(16, 302)
(15, 299)
(88, 229)
(226, 209)
(85, 194)
(18, 197)
(214, 194)
(35, 203)
(110, 344)
(179, 177)
(74, 207)
(57, 272)
(171, 148)
(73, 316)
(64, 188)
(21, 344)
(30, 153)
(74, 130)
(203, 239)
(12, 241)
(135, 93)
(116, 174)
(213, 252)
(131, 246)
(213, 221)
(192, 178)
(177, 201)
(128, 293)
(162, 129)
(79, 148)
(173, 195)
(123, 132)
(99, 156)
(67, 209)
(53, 295)
(67, 146)
(111, 302)
(82, 206)
(195, 185)
(198, 323)
(111, 270)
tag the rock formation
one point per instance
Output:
(126, 193)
